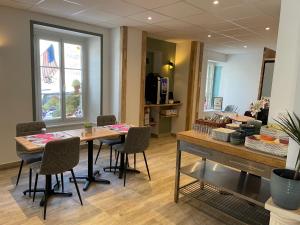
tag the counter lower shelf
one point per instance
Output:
(246, 186)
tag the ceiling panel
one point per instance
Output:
(143, 17)
(220, 26)
(261, 20)
(118, 7)
(15, 4)
(125, 21)
(231, 23)
(151, 4)
(209, 6)
(239, 12)
(203, 19)
(179, 10)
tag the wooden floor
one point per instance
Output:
(140, 202)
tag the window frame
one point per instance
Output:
(61, 38)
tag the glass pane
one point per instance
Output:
(49, 53)
(72, 55)
(50, 94)
(73, 87)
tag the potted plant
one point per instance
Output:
(285, 183)
(88, 127)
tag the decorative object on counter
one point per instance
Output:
(237, 138)
(257, 125)
(208, 123)
(171, 98)
(257, 106)
(241, 119)
(218, 103)
(222, 134)
(285, 183)
(88, 127)
(233, 126)
(266, 144)
(274, 131)
(249, 129)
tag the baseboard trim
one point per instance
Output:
(10, 165)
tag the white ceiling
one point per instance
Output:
(232, 24)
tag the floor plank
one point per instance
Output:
(141, 202)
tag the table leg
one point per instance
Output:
(91, 177)
(177, 174)
(50, 191)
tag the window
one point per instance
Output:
(60, 77)
(213, 83)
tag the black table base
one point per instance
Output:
(92, 176)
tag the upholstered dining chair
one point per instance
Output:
(24, 129)
(103, 121)
(59, 156)
(137, 141)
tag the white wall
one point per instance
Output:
(240, 80)
(15, 71)
(133, 84)
(115, 72)
(286, 79)
(182, 62)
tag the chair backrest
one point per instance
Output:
(29, 128)
(137, 139)
(60, 156)
(106, 120)
(230, 108)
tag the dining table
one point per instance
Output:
(34, 143)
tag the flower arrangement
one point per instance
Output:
(257, 106)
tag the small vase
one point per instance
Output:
(88, 129)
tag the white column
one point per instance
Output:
(279, 216)
(286, 80)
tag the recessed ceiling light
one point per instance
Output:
(216, 2)
(267, 28)
(209, 35)
(149, 18)
(245, 46)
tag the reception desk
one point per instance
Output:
(241, 173)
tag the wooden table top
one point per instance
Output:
(227, 148)
(97, 133)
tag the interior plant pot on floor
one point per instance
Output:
(285, 183)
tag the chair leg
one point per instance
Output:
(134, 160)
(116, 162)
(30, 181)
(125, 169)
(110, 158)
(146, 165)
(46, 196)
(98, 152)
(62, 182)
(35, 184)
(77, 189)
(20, 170)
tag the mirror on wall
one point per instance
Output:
(267, 79)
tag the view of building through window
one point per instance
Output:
(61, 80)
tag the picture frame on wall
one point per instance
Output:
(218, 103)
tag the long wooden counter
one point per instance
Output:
(242, 172)
(234, 150)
